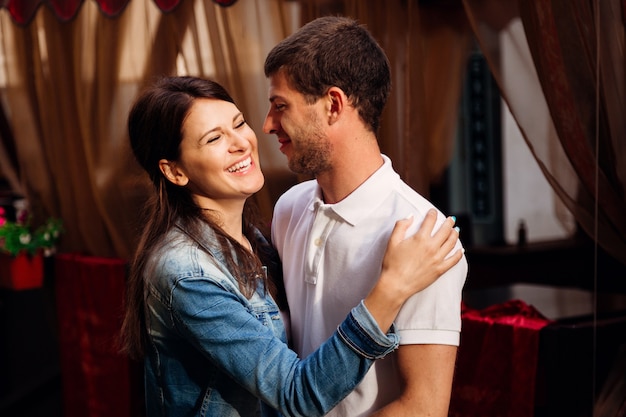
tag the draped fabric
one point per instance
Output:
(427, 45)
(23, 11)
(497, 362)
(68, 87)
(570, 102)
(97, 379)
(8, 157)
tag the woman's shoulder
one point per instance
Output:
(179, 257)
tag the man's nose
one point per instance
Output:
(269, 125)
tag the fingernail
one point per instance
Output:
(410, 216)
(458, 229)
(453, 218)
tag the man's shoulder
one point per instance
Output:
(403, 191)
(391, 180)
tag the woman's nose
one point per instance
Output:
(239, 142)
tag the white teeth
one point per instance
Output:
(240, 165)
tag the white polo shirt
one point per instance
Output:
(332, 255)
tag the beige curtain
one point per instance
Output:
(428, 44)
(570, 102)
(69, 86)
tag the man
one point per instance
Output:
(329, 82)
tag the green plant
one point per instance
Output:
(18, 236)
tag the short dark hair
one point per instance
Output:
(335, 51)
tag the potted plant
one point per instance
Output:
(22, 248)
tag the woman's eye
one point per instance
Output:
(239, 124)
(279, 107)
(213, 139)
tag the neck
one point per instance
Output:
(230, 219)
(351, 168)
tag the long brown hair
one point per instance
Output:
(155, 129)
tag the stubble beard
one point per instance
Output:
(312, 150)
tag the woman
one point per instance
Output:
(201, 303)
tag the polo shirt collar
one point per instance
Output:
(366, 198)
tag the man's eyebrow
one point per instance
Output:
(275, 97)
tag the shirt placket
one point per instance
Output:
(322, 226)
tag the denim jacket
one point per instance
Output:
(213, 352)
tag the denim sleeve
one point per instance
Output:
(219, 324)
(361, 332)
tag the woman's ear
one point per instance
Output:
(173, 173)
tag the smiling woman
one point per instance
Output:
(219, 160)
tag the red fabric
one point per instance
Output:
(497, 361)
(97, 379)
(23, 11)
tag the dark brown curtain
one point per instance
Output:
(570, 106)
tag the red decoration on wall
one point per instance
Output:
(23, 11)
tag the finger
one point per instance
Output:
(450, 241)
(448, 224)
(451, 260)
(444, 231)
(428, 224)
(399, 230)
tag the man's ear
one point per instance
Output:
(336, 102)
(173, 173)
